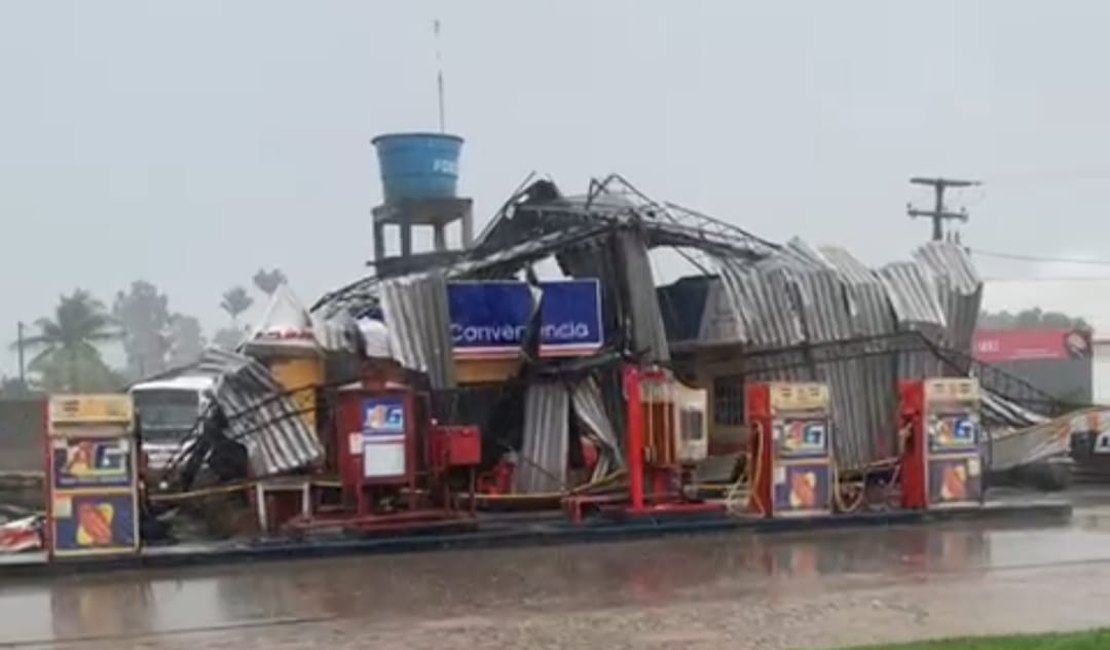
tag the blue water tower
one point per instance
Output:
(420, 175)
(417, 166)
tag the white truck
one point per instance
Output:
(168, 411)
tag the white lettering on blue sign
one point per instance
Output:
(493, 318)
(551, 333)
(444, 166)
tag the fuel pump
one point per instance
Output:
(93, 506)
(790, 460)
(667, 431)
(377, 442)
(941, 457)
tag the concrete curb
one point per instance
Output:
(543, 530)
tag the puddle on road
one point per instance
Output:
(569, 578)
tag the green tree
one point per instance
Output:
(186, 340)
(1034, 318)
(144, 317)
(69, 355)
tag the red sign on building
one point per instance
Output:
(998, 346)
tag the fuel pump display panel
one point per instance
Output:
(802, 437)
(955, 481)
(802, 477)
(384, 438)
(953, 431)
(802, 489)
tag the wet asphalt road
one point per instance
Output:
(816, 590)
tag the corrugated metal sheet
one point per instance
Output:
(996, 410)
(337, 332)
(826, 318)
(260, 415)
(759, 295)
(959, 289)
(594, 259)
(589, 409)
(804, 295)
(913, 296)
(1047, 439)
(870, 315)
(719, 322)
(542, 463)
(646, 320)
(416, 313)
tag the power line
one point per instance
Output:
(1038, 258)
(1047, 176)
(939, 214)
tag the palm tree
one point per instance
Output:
(235, 301)
(268, 281)
(69, 358)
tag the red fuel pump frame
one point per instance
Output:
(941, 457)
(377, 444)
(664, 498)
(790, 465)
(390, 459)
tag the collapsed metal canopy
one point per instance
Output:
(539, 222)
(788, 298)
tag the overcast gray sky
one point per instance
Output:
(188, 143)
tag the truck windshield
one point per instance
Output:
(167, 415)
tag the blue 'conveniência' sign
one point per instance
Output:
(490, 319)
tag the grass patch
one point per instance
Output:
(1096, 640)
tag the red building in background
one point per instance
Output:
(1057, 361)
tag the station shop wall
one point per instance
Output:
(1100, 371)
(1066, 379)
(21, 431)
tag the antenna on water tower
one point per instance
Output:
(439, 78)
(420, 173)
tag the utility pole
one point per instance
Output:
(939, 214)
(19, 346)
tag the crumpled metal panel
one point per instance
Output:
(337, 332)
(760, 295)
(719, 322)
(913, 296)
(589, 409)
(865, 293)
(997, 410)
(400, 319)
(594, 259)
(260, 415)
(804, 295)
(826, 318)
(648, 332)
(1047, 439)
(542, 462)
(959, 289)
(870, 315)
(416, 314)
